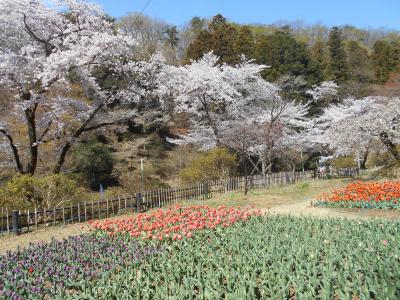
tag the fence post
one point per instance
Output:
(205, 190)
(15, 222)
(139, 202)
(79, 213)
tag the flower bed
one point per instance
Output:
(175, 223)
(65, 267)
(231, 254)
(360, 194)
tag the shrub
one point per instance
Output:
(344, 162)
(175, 161)
(27, 192)
(212, 165)
(95, 162)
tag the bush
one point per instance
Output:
(28, 192)
(344, 162)
(212, 165)
(95, 162)
(175, 161)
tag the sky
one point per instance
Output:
(360, 13)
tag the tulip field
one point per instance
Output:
(383, 195)
(198, 252)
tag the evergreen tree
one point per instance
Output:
(383, 61)
(244, 43)
(396, 55)
(319, 54)
(223, 36)
(359, 62)
(338, 68)
(283, 54)
(220, 37)
(171, 37)
(199, 46)
(197, 25)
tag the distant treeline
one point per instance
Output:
(345, 54)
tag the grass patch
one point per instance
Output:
(276, 196)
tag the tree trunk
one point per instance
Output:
(18, 165)
(246, 175)
(68, 144)
(263, 169)
(61, 158)
(363, 163)
(383, 136)
(33, 146)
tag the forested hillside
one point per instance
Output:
(85, 98)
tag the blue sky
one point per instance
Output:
(361, 13)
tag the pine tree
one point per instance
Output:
(283, 54)
(244, 43)
(223, 36)
(220, 37)
(383, 61)
(338, 68)
(171, 37)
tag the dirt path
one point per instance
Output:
(304, 208)
(46, 235)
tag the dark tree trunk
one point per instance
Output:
(84, 127)
(389, 145)
(18, 165)
(363, 163)
(61, 158)
(33, 146)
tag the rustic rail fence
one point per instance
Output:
(17, 222)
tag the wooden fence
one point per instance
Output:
(17, 222)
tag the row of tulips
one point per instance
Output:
(232, 254)
(273, 257)
(364, 195)
(63, 269)
(175, 223)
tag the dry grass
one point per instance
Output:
(278, 196)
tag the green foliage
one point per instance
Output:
(244, 43)
(277, 257)
(171, 36)
(384, 60)
(343, 162)
(220, 37)
(359, 62)
(392, 204)
(283, 54)
(215, 164)
(320, 55)
(28, 192)
(223, 36)
(338, 68)
(95, 162)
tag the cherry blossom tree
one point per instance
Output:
(234, 107)
(47, 49)
(213, 95)
(350, 127)
(323, 95)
